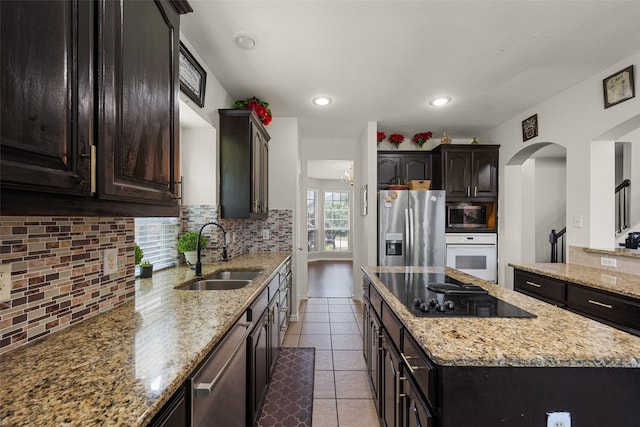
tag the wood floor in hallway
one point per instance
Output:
(330, 279)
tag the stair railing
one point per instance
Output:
(622, 206)
(553, 240)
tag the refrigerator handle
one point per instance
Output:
(407, 237)
(412, 237)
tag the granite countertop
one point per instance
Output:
(555, 338)
(606, 280)
(119, 368)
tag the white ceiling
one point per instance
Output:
(384, 60)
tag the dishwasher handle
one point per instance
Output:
(204, 389)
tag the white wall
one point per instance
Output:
(365, 247)
(574, 119)
(283, 155)
(198, 156)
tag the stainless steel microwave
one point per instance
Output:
(466, 216)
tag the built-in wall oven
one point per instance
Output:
(474, 253)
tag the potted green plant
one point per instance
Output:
(146, 269)
(187, 244)
(139, 254)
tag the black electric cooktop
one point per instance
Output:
(439, 295)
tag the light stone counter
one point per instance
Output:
(556, 337)
(121, 367)
(606, 280)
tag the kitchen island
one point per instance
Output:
(121, 367)
(505, 371)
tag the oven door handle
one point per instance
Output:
(471, 245)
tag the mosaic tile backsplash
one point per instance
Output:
(243, 235)
(57, 273)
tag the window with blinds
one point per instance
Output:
(158, 239)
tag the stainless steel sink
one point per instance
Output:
(236, 275)
(214, 285)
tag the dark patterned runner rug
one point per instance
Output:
(289, 398)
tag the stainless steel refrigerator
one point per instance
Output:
(411, 228)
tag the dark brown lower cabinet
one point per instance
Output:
(174, 413)
(415, 391)
(415, 411)
(264, 344)
(615, 310)
(390, 383)
(543, 288)
(372, 347)
(521, 396)
(259, 364)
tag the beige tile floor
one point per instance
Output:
(342, 395)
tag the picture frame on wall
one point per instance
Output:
(618, 87)
(193, 78)
(530, 128)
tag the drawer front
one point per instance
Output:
(259, 306)
(420, 367)
(548, 289)
(376, 301)
(391, 324)
(617, 309)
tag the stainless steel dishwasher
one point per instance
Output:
(219, 385)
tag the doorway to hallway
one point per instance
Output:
(330, 278)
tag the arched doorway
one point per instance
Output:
(535, 203)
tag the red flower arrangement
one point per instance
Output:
(422, 137)
(380, 137)
(396, 139)
(260, 107)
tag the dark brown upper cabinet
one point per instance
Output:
(47, 100)
(468, 172)
(90, 107)
(138, 102)
(400, 168)
(244, 165)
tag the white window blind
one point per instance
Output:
(158, 239)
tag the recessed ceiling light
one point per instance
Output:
(244, 40)
(440, 101)
(322, 100)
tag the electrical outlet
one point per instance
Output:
(5, 282)
(608, 262)
(558, 419)
(110, 261)
(265, 234)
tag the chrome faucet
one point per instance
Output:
(224, 247)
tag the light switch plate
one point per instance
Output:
(110, 261)
(5, 282)
(265, 234)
